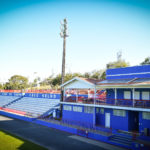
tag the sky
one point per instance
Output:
(30, 44)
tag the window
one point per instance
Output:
(127, 95)
(121, 113)
(77, 108)
(67, 108)
(145, 96)
(137, 95)
(146, 115)
(88, 109)
(102, 110)
(97, 110)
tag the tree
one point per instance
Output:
(86, 75)
(17, 82)
(97, 74)
(146, 61)
(57, 80)
(1, 86)
(36, 81)
(117, 64)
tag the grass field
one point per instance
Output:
(12, 142)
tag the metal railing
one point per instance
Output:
(109, 101)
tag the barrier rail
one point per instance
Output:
(31, 91)
(107, 101)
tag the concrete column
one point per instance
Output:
(133, 96)
(94, 116)
(94, 95)
(115, 90)
(64, 95)
(94, 108)
(76, 95)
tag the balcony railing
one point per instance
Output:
(106, 101)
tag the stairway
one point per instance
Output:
(49, 112)
(125, 141)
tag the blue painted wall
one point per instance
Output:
(118, 122)
(144, 123)
(41, 95)
(128, 70)
(11, 94)
(16, 116)
(79, 118)
(37, 95)
(100, 118)
(110, 96)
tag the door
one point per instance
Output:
(133, 121)
(107, 120)
(136, 121)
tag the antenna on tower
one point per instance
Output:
(119, 56)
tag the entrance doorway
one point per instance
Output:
(107, 120)
(134, 121)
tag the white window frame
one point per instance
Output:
(102, 110)
(146, 115)
(117, 112)
(68, 108)
(137, 95)
(145, 95)
(77, 108)
(127, 94)
(97, 110)
(88, 109)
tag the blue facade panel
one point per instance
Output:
(11, 94)
(119, 122)
(129, 72)
(43, 95)
(78, 118)
(100, 119)
(116, 122)
(144, 123)
(110, 96)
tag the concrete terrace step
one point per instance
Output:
(122, 137)
(121, 140)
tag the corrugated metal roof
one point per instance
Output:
(134, 81)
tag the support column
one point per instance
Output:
(94, 95)
(76, 95)
(133, 96)
(115, 90)
(94, 108)
(64, 95)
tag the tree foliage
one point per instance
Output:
(146, 61)
(1, 86)
(117, 64)
(16, 82)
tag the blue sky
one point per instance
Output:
(98, 29)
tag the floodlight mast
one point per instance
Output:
(63, 34)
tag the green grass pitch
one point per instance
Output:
(12, 142)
